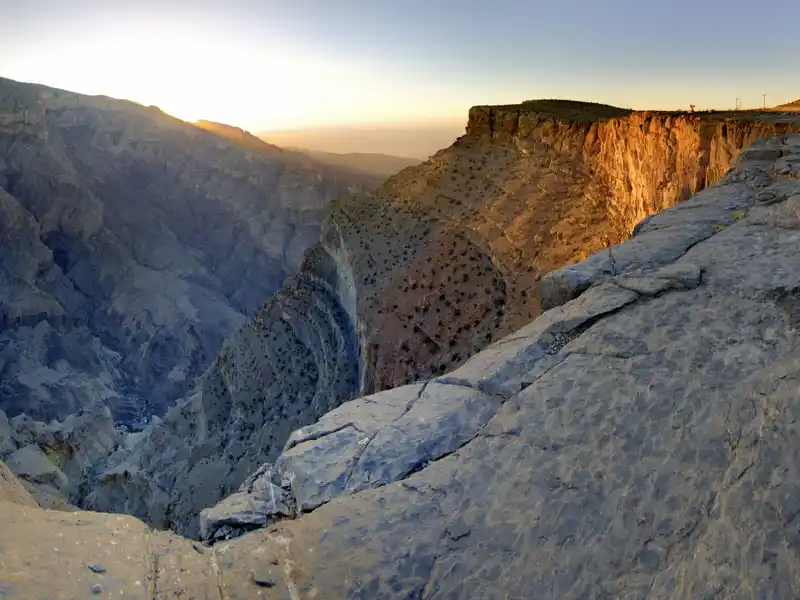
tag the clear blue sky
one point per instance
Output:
(285, 63)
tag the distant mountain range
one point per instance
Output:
(374, 167)
(413, 140)
(372, 164)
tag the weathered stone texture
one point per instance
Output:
(644, 445)
(132, 244)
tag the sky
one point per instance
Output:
(283, 64)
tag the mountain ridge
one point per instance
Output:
(415, 140)
(378, 164)
(622, 444)
(134, 243)
(795, 105)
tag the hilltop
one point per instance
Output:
(237, 134)
(790, 106)
(565, 110)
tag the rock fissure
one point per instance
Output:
(357, 458)
(303, 438)
(152, 561)
(217, 574)
(429, 588)
(613, 262)
(413, 401)
(467, 385)
(526, 384)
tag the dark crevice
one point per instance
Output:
(463, 383)
(217, 574)
(526, 384)
(357, 460)
(319, 435)
(614, 355)
(411, 403)
(613, 262)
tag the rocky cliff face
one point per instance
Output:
(408, 282)
(56, 460)
(448, 256)
(639, 440)
(132, 244)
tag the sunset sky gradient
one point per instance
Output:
(277, 64)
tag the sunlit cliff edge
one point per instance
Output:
(637, 439)
(408, 282)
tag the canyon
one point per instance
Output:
(409, 281)
(484, 338)
(133, 245)
(636, 439)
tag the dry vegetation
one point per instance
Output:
(569, 110)
(790, 106)
(448, 255)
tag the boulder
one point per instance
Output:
(11, 490)
(261, 500)
(33, 465)
(7, 437)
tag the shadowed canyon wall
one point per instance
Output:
(132, 244)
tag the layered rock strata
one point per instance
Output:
(636, 440)
(132, 244)
(408, 282)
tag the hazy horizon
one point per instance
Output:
(371, 125)
(411, 140)
(280, 65)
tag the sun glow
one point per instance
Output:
(187, 75)
(196, 73)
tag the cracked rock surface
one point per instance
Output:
(649, 452)
(637, 440)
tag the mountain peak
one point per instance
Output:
(238, 135)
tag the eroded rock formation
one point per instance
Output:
(56, 460)
(636, 440)
(132, 244)
(408, 282)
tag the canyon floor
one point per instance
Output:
(637, 439)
